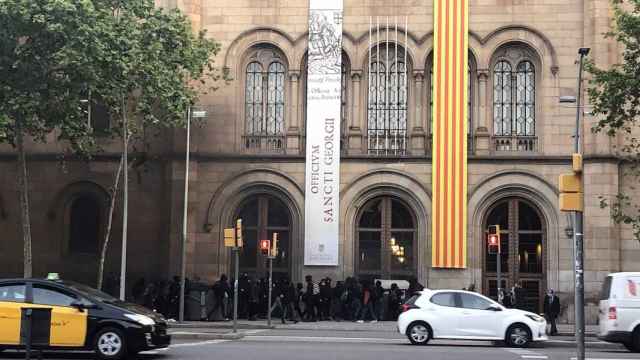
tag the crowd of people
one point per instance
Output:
(348, 300)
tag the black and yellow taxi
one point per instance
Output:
(82, 318)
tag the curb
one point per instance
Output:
(220, 326)
(599, 345)
(206, 336)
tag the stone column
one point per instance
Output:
(293, 132)
(357, 118)
(483, 138)
(418, 134)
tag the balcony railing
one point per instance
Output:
(515, 143)
(261, 144)
(387, 143)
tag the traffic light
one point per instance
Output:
(274, 249)
(239, 233)
(265, 246)
(571, 192)
(493, 239)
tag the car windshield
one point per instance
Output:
(91, 292)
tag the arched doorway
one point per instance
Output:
(385, 242)
(523, 243)
(262, 215)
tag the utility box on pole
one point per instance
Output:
(571, 191)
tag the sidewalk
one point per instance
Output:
(382, 326)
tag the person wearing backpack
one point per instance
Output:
(221, 292)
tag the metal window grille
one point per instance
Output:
(265, 105)
(525, 99)
(502, 99)
(387, 101)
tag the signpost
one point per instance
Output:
(493, 244)
(233, 239)
(271, 250)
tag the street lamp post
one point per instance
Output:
(578, 237)
(183, 263)
(578, 225)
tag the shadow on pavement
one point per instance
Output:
(72, 355)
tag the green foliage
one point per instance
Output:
(615, 96)
(53, 52)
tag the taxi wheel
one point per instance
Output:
(110, 344)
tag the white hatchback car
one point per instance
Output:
(464, 315)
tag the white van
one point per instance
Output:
(619, 317)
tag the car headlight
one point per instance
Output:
(535, 318)
(141, 319)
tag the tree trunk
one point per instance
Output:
(23, 189)
(112, 204)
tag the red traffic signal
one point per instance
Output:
(265, 245)
(493, 239)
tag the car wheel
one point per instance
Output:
(518, 335)
(419, 333)
(110, 344)
(635, 341)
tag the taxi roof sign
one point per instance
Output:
(53, 276)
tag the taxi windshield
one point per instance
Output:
(91, 292)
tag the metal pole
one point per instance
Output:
(499, 272)
(236, 250)
(578, 232)
(183, 255)
(270, 289)
(125, 211)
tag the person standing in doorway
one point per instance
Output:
(552, 310)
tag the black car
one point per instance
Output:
(82, 318)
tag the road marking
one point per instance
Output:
(320, 339)
(251, 332)
(534, 356)
(527, 354)
(573, 358)
(199, 343)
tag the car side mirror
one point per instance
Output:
(494, 308)
(79, 306)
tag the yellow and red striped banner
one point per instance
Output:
(449, 131)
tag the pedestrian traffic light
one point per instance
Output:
(239, 233)
(493, 239)
(571, 191)
(265, 246)
(274, 249)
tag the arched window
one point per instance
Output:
(265, 101)
(387, 101)
(514, 99)
(471, 86)
(84, 225)
(386, 240)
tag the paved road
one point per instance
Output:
(329, 345)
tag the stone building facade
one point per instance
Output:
(248, 158)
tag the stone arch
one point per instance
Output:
(475, 45)
(225, 201)
(526, 185)
(234, 56)
(533, 38)
(349, 48)
(392, 183)
(59, 210)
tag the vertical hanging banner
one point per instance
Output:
(449, 130)
(322, 175)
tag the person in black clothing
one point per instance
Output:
(291, 303)
(395, 300)
(243, 295)
(310, 300)
(325, 299)
(414, 287)
(221, 293)
(138, 290)
(299, 300)
(337, 305)
(378, 296)
(507, 299)
(552, 310)
(518, 294)
(254, 299)
(354, 298)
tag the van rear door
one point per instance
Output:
(605, 320)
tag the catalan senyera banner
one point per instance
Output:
(449, 161)
(322, 175)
